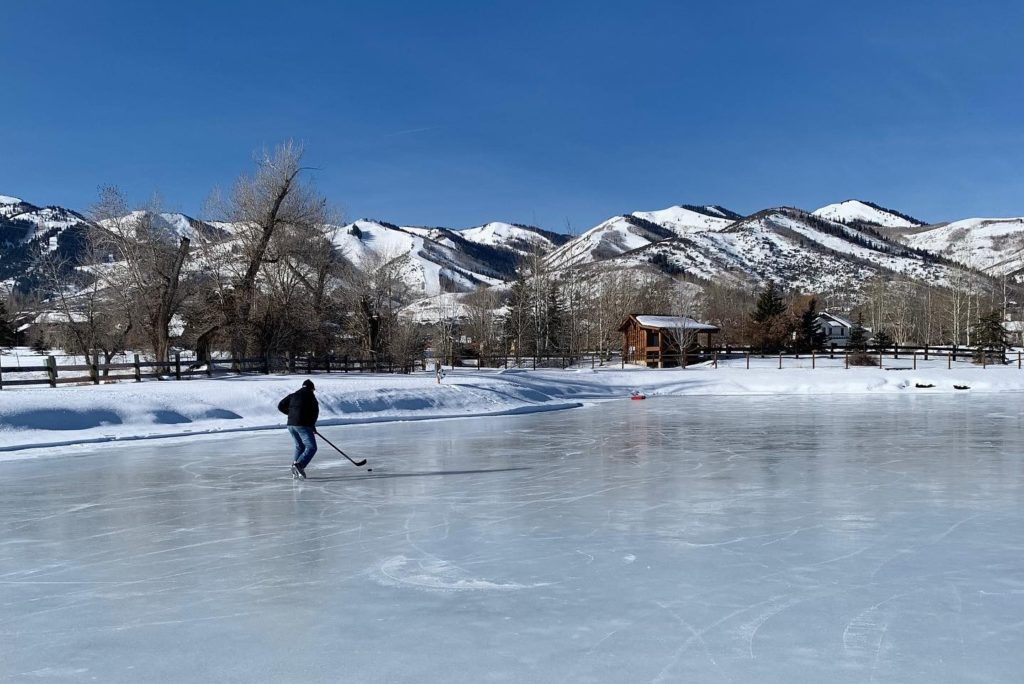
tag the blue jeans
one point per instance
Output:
(305, 444)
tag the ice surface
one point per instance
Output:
(681, 539)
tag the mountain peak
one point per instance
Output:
(854, 210)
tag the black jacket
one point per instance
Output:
(302, 407)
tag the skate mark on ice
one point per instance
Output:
(436, 575)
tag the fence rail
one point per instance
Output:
(53, 374)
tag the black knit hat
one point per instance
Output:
(309, 384)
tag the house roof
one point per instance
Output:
(846, 322)
(672, 323)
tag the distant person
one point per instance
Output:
(438, 371)
(302, 409)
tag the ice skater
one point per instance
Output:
(302, 409)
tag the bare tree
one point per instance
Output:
(273, 200)
(146, 260)
(482, 319)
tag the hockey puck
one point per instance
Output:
(369, 470)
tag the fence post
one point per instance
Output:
(880, 352)
(266, 364)
(1, 378)
(832, 351)
(915, 359)
(926, 352)
(138, 369)
(846, 356)
(177, 365)
(949, 359)
(984, 358)
(747, 354)
(813, 360)
(780, 360)
(209, 365)
(1018, 360)
(534, 362)
(716, 358)
(327, 363)
(51, 370)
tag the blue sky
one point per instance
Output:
(554, 113)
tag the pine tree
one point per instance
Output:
(769, 304)
(883, 340)
(40, 347)
(769, 324)
(8, 335)
(990, 336)
(858, 345)
(858, 336)
(809, 335)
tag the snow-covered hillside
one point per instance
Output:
(9, 206)
(433, 265)
(791, 247)
(174, 224)
(853, 211)
(686, 219)
(992, 245)
(520, 239)
(612, 238)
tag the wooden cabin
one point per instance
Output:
(661, 341)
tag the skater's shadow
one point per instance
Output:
(381, 476)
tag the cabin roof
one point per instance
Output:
(669, 323)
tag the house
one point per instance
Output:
(1014, 332)
(659, 341)
(837, 329)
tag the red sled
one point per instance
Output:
(637, 397)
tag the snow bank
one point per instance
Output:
(46, 417)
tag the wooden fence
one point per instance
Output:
(898, 358)
(95, 372)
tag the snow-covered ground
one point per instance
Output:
(42, 416)
(684, 539)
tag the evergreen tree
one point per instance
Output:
(883, 340)
(990, 336)
(809, 335)
(858, 336)
(39, 346)
(858, 345)
(770, 327)
(769, 304)
(8, 334)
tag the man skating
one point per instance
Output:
(302, 409)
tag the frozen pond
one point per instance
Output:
(757, 539)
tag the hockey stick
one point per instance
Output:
(360, 462)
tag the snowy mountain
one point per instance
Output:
(175, 225)
(834, 247)
(858, 211)
(9, 206)
(621, 234)
(791, 247)
(518, 238)
(616, 236)
(684, 219)
(28, 232)
(992, 245)
(438, 260)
